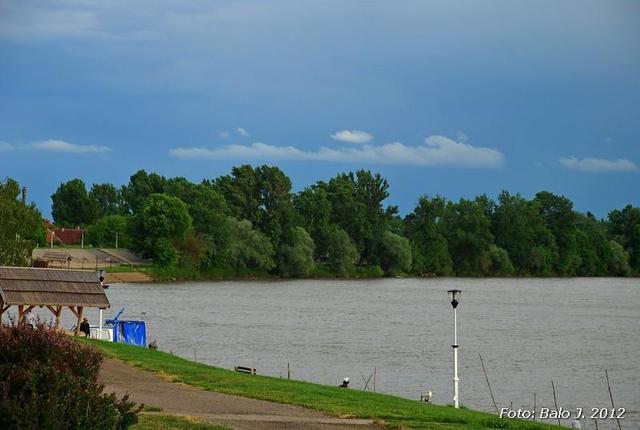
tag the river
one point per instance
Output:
(529, 332)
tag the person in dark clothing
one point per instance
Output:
(85, 328)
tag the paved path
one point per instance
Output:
(239, 413)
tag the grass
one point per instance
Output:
(395, 412)
(172, 422)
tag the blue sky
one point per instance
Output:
(456, 98)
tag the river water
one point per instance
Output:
(529, 332)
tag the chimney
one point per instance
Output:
(24, 196)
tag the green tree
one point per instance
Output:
(246, 249)
(424, 228)
(395, 253)
(519, 228)
(103, 232)
(356, 202)
(163, 220)
(313, 208)
(21, 226)
(296, 258)
(342, 253)
(242, 192)
(107, 200)
(624, 226)
(558, 214)
(467, 230)
(500, 263)
(594, 249)
(71, 205)
(141, 186)
(619, 264)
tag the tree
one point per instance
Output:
(395, 253)
(342, 253)
(103, 232)
(558, 214)
(246, 249)
(624, 226)
(141, 186)
(107, 200)
(241, 191)
(500, 263)
(262, 196)
(519, 228)
(296, 258)
(467, 230)
(163, 220)
(71, 205)
(313, 208)
(424, 228)
(21, 226)
(619, 264)
(356, 202)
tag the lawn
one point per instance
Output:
(395, 412)
(148, 421)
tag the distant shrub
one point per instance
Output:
(48, 381)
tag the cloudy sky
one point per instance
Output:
(456, 98)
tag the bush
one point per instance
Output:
(49, 381)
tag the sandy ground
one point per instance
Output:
(237, 412)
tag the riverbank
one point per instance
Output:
(393, 412)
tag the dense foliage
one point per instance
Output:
(250, 222)
(21, 227)
(49, 381)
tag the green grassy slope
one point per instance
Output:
(394, 412)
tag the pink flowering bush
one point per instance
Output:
(49, 381)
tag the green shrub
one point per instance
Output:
(48, 381)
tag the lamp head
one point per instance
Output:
(454, 297)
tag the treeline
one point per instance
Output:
(250, 222)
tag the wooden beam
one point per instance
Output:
(80, 309)
(56, 312)
(74, 311)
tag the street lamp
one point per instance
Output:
(454, 298)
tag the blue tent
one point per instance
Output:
(128, 331)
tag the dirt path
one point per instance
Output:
(239, 413)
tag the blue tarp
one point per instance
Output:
(131, 332)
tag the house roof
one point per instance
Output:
(53, 287)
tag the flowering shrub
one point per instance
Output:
(49, 381)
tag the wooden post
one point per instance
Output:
(80, 309)
(58, 313)
(1, 309)
(20, 314)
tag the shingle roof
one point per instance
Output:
(53, 287)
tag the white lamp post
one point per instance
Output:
(454, 298)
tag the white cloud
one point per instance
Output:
(56, 146)
(352, 136)
(62, 146)
(242, 132)
(437, 151)
(4, 146)
(599, 164)
(223, 134)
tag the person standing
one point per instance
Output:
(85, 328)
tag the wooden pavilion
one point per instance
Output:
(28, 287)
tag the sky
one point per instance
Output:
(451, 98)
